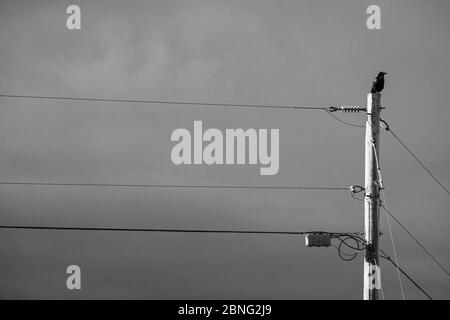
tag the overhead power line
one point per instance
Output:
(192, 103)
(385, 256)
(344, 122)
(68, 184)
(171, 230)
(387, 128)
(341, 236)
(415, 240)
(202, 231)
(381, 185)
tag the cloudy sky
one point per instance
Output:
(316, 53)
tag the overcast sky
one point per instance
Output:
(316, 53)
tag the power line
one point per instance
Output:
(387, 128)
(169, 230)
(204, 104)
(381, 186)
(180, 103)
(150, 230)
(396, 264)
(415, 240)
(66, 184)
(394, 248)
(385, 256)
(344, 122)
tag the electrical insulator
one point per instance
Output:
(347, 109)
(351, 109)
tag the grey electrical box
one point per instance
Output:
(318, 239)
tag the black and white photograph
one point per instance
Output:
(224, 156)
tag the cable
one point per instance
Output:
(162, 102)
(381, 285)
(356, 198)
(387, 128)
(168, 230)
(394, 248)
(342, 254)
(342, 121)
(415, 240)
(151, 230)
(361, 245)
(343, 238)
(381, 186)
(66, 184)
(385, 256)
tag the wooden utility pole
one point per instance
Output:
(372, 284)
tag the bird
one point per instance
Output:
(378, 83)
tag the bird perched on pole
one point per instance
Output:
(378, 83)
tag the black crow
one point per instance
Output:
(378, 83)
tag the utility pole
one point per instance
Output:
(372, 284)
